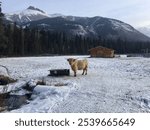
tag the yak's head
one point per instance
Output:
(71, 60)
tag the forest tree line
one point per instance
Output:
(18, 41)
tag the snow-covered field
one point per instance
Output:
(112, 85)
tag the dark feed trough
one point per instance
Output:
(59, 72)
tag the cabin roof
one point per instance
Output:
(100, 47)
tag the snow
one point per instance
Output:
(57, 15)
(80, 30)
(43, 24)
(26, 15)
(91, 29)
(112, 85)
(145, 30)
(123, 56)
(28, 12)
(121, 25)
(3, 71)
(45, 98)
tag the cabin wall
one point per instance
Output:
(102, 53)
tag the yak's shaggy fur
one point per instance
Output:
(78, 65)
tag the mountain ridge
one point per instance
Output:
(26, 15)
(85, 26)
(34, 8)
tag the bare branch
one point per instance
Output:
(6, 69)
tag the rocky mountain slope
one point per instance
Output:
(145, 30)
(86, 26)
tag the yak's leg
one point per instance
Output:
(86, 71)
(75, 73)
(83, 71)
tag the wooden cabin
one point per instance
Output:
(102, 52)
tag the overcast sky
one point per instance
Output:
(134, 12)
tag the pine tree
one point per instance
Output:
(1, 23)
(3, 46)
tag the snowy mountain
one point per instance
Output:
(86, 26)
(90, 27)
(145, 30)
(27, 15)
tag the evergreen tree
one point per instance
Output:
(16, 41)
(3, 46)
